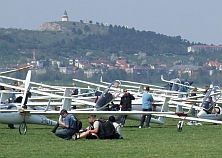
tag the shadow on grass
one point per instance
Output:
(163, 126)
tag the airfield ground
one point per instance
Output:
(159, 141)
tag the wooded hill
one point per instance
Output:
(69, 40)
(73, 39)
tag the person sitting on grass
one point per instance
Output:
(91, 131)
(117, 127)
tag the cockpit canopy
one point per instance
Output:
(178, 85)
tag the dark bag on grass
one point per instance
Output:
(106, 130)
(78, 125)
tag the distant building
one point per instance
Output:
(71, 62)
(90, 72)
(197, 48)
(81, 62)
(66, 70)
(65, 16)
(39, 71)
(121, 64)
(100, 63)
(182, 69)
(215, 64)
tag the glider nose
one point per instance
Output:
(201, 114)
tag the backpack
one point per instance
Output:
(106, 130)
(78, 125)
(78, 128)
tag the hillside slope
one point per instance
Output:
(71, 39)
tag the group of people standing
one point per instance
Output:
(126, 105)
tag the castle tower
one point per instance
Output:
(65, 16)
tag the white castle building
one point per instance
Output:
(65, 16)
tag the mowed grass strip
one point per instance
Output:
(159, 141)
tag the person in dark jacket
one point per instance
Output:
(125, 104)
(75, 90)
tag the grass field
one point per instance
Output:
(159, 141)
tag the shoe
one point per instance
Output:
(140, 126)
(11, 126)
(81, 130)
(74, 137)
(148, 127)
(121, 125)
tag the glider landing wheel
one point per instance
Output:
(179, 127)
(22, 128)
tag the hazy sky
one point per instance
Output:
(194, 20)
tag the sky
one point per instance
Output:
(193, 20)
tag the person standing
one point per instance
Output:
(68, 124)
(193, 94)
(147, 100)
(125, 104)
(12, 96)
(207, 104)
(206, 89)
(75, 90)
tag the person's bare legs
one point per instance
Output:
(83, 135)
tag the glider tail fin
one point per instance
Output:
(165, 108)
(141, 89)
(26, 86)
(47, 107)
(189, 111)
(66, 103)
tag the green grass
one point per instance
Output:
(159, 141)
